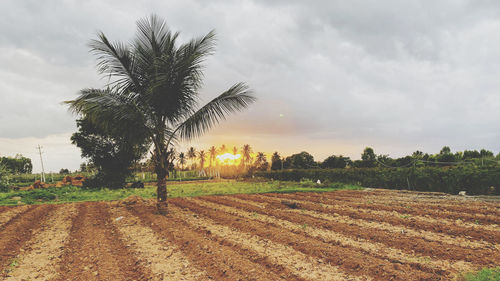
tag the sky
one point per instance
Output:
(331, 77)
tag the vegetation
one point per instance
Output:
(154, 90)
(75, 194)
(112, 151)
(486, 274)
(18, 164)
(472, 179)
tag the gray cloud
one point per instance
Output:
(399, 75)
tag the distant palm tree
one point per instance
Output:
(235, 150)
(154, 89)
(191, 154)
(182, 160)
(212, 155)
(246, 154)
(222, 149)
(201, 156)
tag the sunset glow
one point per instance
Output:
(228, 158)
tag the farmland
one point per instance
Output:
(341, 235)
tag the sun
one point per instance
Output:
(228, 158)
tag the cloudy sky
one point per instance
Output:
(331, 77)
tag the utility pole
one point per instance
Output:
(42, 179)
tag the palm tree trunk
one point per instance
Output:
(161, 191)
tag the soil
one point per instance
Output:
(343, 235)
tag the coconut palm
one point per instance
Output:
(182, 160)
(222, 149)
(191, 154)
(202, 156)
(246, 154)
(154, 90)
(235, 150)
(212, 155)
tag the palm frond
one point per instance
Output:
(236, 98)
(115, 60)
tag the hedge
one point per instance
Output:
(473, 180)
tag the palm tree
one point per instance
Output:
(235, 150)
(222, 149)
(246, 157)
(201, 156)
(154, 91)
(182, 160)
(191, 154)
(212, 155)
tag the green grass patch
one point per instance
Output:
(77, 194)
(486, 274)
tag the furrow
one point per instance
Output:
(94, 250)
(409, 244)
(350, 260)
(164, 259)
(15, 233)
(12, 212)
(299, 264)
(220, 259)
(43, 253)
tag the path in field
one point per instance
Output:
(43, 252)
(15, 233)
(95, 250)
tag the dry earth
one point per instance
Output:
(343, 235)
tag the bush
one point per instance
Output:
(485, 274)
(473, 180)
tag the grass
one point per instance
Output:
(486, 274)
(77, 194)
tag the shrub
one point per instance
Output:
(473, 180)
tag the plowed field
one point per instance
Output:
(343, 235)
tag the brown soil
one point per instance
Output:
(344, 235)
(402, 219)
(16, 233)
(94, 250)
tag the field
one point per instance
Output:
(341, 235)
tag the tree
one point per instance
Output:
(301, 160)
(182, 160)
(112, 151)
(276, 162)
(201, 156)
(261, 163)
(368, 158)
(222, 149)
(246, 155)
(64, 171)
(235, 150)
(333, 161)
(212, 154)
(18, 164)
(445, 155)
(191, 154)
(154, 89)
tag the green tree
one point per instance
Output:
(18, 164)
(261, 163)
(154, 89)
(202, 156)
(212, 154)
(368, 158)
(301, 160)
(112, 151)
(276, 162)
(334, 161)
(246, 152)
(182, 160)
(191, 154)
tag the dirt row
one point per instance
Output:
(411, 244)
(417, 210)
(401, 219)
(446, 203)
(242, 237)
